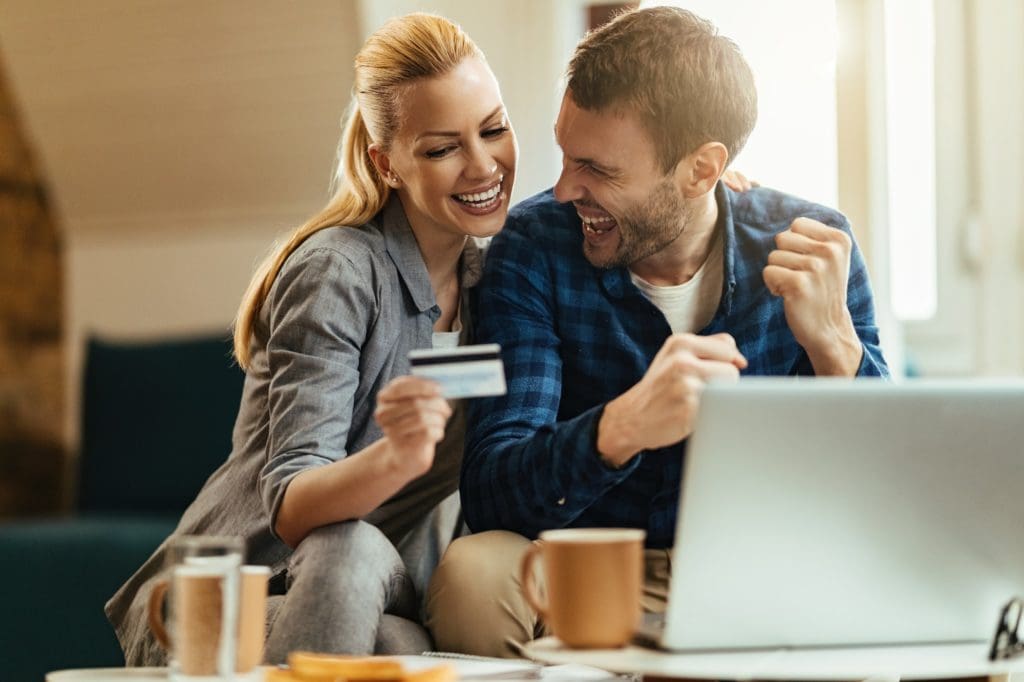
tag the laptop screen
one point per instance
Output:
(833, 512)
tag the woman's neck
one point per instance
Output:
(441, 253)
(443, 270)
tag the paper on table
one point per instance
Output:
(484, 668)
(475, 667)
(575, 671)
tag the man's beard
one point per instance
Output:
(645, 228)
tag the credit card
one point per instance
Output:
(463, 372)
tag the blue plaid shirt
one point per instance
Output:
(574, 337)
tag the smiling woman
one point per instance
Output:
(453, 161)
(342, 463)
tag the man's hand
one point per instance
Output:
(412, 414)
(809, 270)
(659, 410)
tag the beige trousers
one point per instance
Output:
(475, 604)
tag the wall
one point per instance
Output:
(177, 144)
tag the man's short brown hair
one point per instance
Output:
(688, 84)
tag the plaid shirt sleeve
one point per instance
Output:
(862, 310)
(523, 469)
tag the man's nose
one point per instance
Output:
(567, 189)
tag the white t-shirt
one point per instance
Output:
(450, 339)
(690, 306)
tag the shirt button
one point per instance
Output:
(561, 502)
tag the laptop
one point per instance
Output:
(836, 513)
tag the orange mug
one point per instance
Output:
(593, 578)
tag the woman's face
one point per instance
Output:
(454, 153)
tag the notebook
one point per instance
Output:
(824, 513)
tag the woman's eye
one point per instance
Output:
(439, 153)
(495, 132)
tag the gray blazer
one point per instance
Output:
(337, 325)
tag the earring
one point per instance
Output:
(393, 180)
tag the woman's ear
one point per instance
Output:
(698, 172)
(382, 162)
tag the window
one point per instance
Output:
(793, 146)
(910, 141)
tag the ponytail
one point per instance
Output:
(359, 194)
(402, 51)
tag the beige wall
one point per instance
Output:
(178, 144)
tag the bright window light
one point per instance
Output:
(910, 138)
(793, 146)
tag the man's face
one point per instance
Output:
(628, 207)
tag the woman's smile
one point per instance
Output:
(483, 201)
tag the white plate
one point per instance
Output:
(134, 675)
(111, 674)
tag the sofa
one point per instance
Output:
(156, 421)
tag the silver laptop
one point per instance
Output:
(820, 513)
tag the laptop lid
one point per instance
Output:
(834, 513)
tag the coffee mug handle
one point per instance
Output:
(527, 580)
(154, 613)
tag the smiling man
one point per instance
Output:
(617, 295)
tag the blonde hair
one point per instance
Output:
(403, 50)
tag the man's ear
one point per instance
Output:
(697, 173)
(382, 162)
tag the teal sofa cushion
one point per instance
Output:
(58, 574)
(156, 422)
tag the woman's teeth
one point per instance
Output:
(481, 199)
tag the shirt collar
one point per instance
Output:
(405, 253)
(724, 197)
(472, 263)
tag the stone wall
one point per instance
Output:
(31, 311)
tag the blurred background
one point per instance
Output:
(152, 150)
